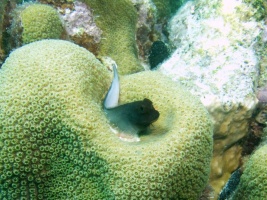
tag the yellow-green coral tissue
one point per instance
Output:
(39, 21)
(56, 143)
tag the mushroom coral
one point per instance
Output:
(56, 143)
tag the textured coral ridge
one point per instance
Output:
(117, 20)
(253, 183)
(55, 142)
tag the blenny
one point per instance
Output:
(130, 118)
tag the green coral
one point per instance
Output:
(260, 6)
(117, 19)
(56, 143)
(165, 8)
(44, 25)
(253, 183)
(33, 22)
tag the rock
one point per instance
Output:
(215, 58)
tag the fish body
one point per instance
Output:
(231, 185)
(130, 118)
(133, 117)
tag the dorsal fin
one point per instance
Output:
(112, 97)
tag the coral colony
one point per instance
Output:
(192, 91)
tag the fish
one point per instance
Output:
(130, 118)
(112, 97)
(231, 185)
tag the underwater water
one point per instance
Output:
(188, 98)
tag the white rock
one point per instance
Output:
(216, 60)
(80, 21)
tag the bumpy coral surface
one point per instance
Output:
(56, 143)
(253, 183)
(117, 20)
(39, 22)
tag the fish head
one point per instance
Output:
(142, 113)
